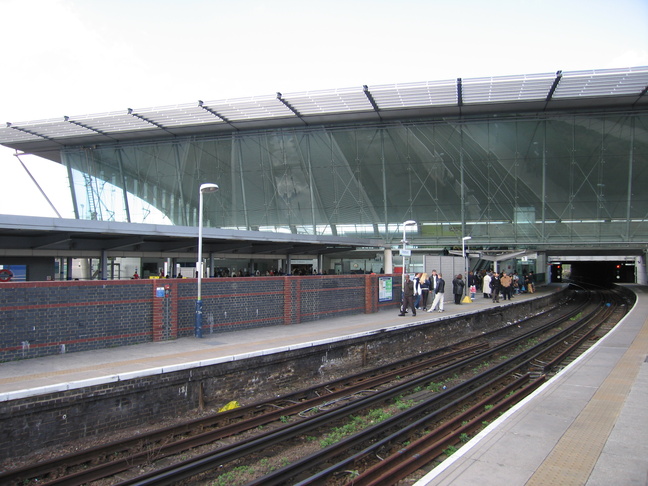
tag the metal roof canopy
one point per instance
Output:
(607, 88)
(36, 236)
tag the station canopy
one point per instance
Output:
(36, 236)
(600, 89)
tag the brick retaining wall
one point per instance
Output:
(46, 318)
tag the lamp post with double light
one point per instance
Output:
(463, 252)
(204, 188)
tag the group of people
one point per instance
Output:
(502, 285)
(417, 292)
(494, 285)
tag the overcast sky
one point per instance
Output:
(75, 57)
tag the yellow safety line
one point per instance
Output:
(572, 460)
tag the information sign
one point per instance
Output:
(385, 289)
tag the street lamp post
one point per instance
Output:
(407, 223)
(463, 252)
(204, 188)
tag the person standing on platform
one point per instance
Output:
(516, 284)
(438, 291)
(417, 290)
(425, 290)
(408, 296)
(486, 286)
(458, 285)
(496, 287)
(433, 280)
(472, 284)
(530, 283)
(505, 282)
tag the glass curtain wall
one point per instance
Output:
(523, 181)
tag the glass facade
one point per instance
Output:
(523, 181)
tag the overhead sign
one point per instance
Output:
(406, 253)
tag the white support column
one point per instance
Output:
(640, 270)
(388, 261)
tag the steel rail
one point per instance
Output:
(285, 475)
(605, 313)
(412, 457)
(261, 414)
(229, 429)
(205, 462)
(419, 453)
(152, 440)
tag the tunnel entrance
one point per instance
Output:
(602, 273)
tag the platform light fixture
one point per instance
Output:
(463, 252)
(407, 223)
(204, 188)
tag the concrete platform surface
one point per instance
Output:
(587, 426)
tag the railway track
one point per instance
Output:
(113, 458)
(294, 416)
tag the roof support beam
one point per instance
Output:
(132, 113)
(643, 93)
(554, 86)
(38, 186)
(87, 127)
(201, 104)
(371, 99)
(30, 132)
(290, 107)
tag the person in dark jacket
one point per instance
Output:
(496, 287)
(425, 290)
(458, 285)
(438, 294)
(530, 282)
(408, 296)
(417, 290)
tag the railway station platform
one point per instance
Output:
(586, 426)
(36, 376)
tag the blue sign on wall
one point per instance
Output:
(19, 272)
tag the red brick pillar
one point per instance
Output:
(371, 294)
(292, 303)
(165, 310)
(173, 317)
